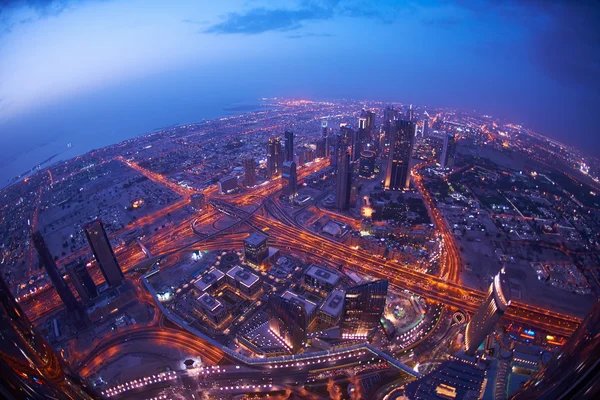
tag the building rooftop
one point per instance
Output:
(334, 303)
(242, 276)
(308, 305)
(208, 279)
(209, 303)
(323, 274)
(255, 239)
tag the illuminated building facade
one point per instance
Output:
(245, 281)
(488, 314)
(320, 279)
(289, 146)
(104, 254)
(256, 248)
(367, 164)
(214, 310)
(448, 152)
(288, 321)
(343, 182)
(289, 179)
(29, 367)
(363, 307)
(82, 280)
(249, 172)
(397, 175)
(227, 184)
(274, 158)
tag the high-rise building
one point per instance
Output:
(367, 164)
(197, 201)
(289, 179)
(103, 252)
(289, 146)
(343, 181)
(363, 130)
(389, 116)
(363, 306)
(288, 321)
(489, 313)
(426, 127)
(82, 280)
(227, 184)
(397, 175)
(256, 248)
(448, 152)
(574, 372)
(249, 172)
(324, 128)
(29, 367)
(320, 148)
(274, 158)
(410, 114)
(371, 129)
(54, 274)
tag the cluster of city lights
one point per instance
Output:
(141, 382)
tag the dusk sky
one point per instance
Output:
(67, 66)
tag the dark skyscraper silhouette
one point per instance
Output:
(397, 175)
(29, 367)
(249, 172)
(289, 146)
(343, 180)
(574, 372)
(363, 306)
(488, 314)
(367, 164)
(103, 252)
(54, 274)
(289, 179)
(448, 152)
(81, 279)
(288, 320)
(274, 158)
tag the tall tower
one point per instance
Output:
(83, 282)
(426, 127)
(410, 114)
(448, 152)
(289, 179)
(289, 146)
(489, 313)
(29, 367)
(103, 252)
(574, 372)
(390, 115)
(249, 172)
(288, 321)
(58, 282)
(274, 158)
(343, 180)
(397, 175)
(371, 130)
(363, 306)
(324, 128)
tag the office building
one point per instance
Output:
(54, 274)
(367, 164)
(574, 371)
(274, 158)
(363, 307)
(289, 146)
(247, 282)
(390, 115)
(320, 148)
(309, 307)
(305, 155)
(288, 321)
(343, 182)
(210, 281)
(320, 279)
(213, 309)
(488, 314)
(256, 248)
(371, 129)
(410, 114)
(82, 280)
(397, 176)
(30, 368)
(332, 308)
(197, 201)
(324, 128)
(103, 252)
(249, 172)
(426, 127)
(448, 152)
(227, 184)
(289, 179)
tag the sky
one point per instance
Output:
(69, 67)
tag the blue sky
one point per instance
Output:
(536, 62)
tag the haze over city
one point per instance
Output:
(310, 199)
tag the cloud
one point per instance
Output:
(311, 34)
(260, 20)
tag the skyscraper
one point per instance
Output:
(249, 172)
(256, 248)
(448, 152)
(320, 148)
(103, 252)
(489, 313)
(289, 146)
(274, 158)
(371, 130)
(363, 306)
(367, 164)
(410, 114)
(426, 127)
(29, 367)
(289, 179)
(343, 181)
(574, 372)
(288, 321)
(83, 282)
(397, 175)
(324, 128)
(54, 274)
